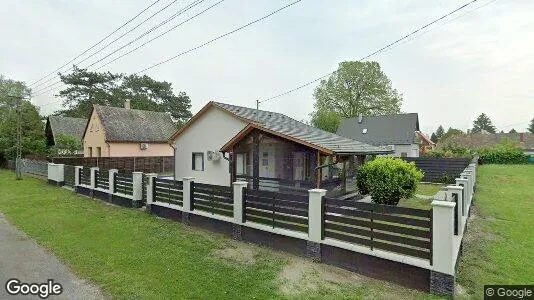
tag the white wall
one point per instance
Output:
(411, 150)
(210, 132)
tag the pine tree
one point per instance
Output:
(439, 132)
(483, 122)
(531, 126)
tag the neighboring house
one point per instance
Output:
(223, 143)
(487, 140)
(57, 126)
(119, 132)
(399, 131)
(426, 144)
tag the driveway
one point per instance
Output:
(22, 258)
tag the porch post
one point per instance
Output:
(319, 172)
(255, 160)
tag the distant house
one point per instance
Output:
(57, 127)
(118, 132)
(487, 140)
(223, 143)
(399, 131)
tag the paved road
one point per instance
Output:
(22, 258)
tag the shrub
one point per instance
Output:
(388, 180)
(451, 150)
(504, 153)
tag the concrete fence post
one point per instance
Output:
(137, 189)
(474, 170)
(315, 223)
(239, 209)
(60, 174)
(151, 181)
(111, 184)
(188, 181)
(238, 200)
(51, 173)
(465, 198)
(442, 275)
(457, 191)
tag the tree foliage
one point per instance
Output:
(451, 132)
(531, 126)
(434, 137)
(327, 120)
(483, 122)
(512, 131)
(356, 88)
(65, 146)
(85, 88)
(439, 132)
(32, 130)
(388, 179)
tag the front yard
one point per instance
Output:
(131, 254)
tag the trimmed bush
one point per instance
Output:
(504, 153)
(388, 180)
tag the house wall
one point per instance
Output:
(411, 150)
(134, 149)
(208, 133)
(95, 136)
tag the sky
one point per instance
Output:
(479, 60)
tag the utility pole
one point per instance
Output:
(18, 159)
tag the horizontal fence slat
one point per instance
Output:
(402, 250)
(347, 238)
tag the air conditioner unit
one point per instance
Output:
(143, 146)
(213, 155)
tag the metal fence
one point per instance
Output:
(34, 167)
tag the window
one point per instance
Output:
(265, 159)
(198, 161)
(90, 151)
(98, 151)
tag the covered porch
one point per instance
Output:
(270, 161)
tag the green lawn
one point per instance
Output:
(499, 246)
(425, 189)
(130, 254)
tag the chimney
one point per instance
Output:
(127, 104)
(360, 118)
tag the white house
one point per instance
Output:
(223, 142)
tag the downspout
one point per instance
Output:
(174, 158)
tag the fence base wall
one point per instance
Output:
(379, 268)
(56, 183)
(383, 269)
(125, 202)
(84, 191)
(101, 195)
(441, 284)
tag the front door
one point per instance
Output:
(267, 161)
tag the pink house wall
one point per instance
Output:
(95, 138)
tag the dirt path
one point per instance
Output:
(22, 258)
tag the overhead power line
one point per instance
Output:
(116, 39)
(97, 43)
(219, 37)
(373, 53)
(47, 89)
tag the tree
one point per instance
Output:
(531, 126)
(439, 132)
(65, 146)
(85, 88)
(512, 131)
(326, 120)
(32, 131)
(451, 132)
(483, 122)
(434, 138)
(356, 88)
